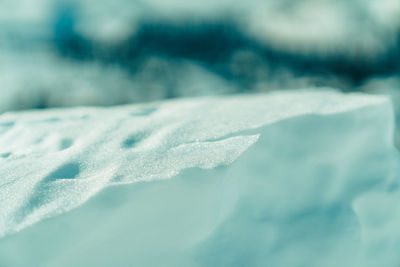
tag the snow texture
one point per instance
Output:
(297, 178)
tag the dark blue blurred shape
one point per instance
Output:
(212, 44)
(66, 39)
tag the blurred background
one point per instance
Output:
(93, 52)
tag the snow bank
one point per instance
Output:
(302, 178)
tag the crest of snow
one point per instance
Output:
(52, 161)
(302, 178)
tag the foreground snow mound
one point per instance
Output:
(304, 178)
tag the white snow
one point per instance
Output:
(295, 178)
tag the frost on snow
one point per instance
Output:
(302, 178)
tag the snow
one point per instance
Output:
(294, 178)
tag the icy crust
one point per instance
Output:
(297, 174)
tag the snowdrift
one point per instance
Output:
(300, 178)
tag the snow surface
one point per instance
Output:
(301, 178)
